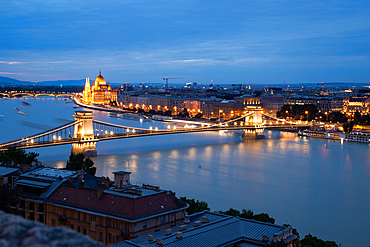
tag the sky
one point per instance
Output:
(243, 42)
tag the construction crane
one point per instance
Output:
(326, 83)
(166, 78)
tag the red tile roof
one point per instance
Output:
(115, 204)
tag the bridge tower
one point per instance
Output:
(84, 131)
(254, 119)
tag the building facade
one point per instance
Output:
(99, 92)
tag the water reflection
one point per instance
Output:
(313, 184)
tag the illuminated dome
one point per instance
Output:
(100, 79)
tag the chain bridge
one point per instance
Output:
(84, 132)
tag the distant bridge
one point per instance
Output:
(36, 94)
(84, 132)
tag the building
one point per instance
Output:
(104, 210)
(353, 104)
(212, 229)
(113, 214)
(99, 92)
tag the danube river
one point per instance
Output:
(318, 186)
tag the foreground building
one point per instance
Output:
(212, 229)
(106, 211)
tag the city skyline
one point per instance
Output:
(242, 42)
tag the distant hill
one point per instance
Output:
(7, 80)
(63, 82)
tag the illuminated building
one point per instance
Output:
(100, 91)
(353, 104)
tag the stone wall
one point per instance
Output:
(15, 231)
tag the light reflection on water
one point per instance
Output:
(318, 186)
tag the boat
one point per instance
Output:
(335, 135)
(25, 104)
(161, 118)
(20, 112)
(113, 115)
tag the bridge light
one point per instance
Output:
(241, 123)
(174, 127)
(133, 130)
(168, 127)
(54, 137)
(111, 132)
(128, 130)
(150, 128)
(156, 128)
(106, 132)
(59, 138)
(235, 123)
(32, 141)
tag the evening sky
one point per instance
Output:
(264, 41)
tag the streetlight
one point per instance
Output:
(326, 113)
(287, 113)
(307, 114)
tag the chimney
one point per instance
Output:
(265, 238)
(178, 234)
(70, 180)
(80, 175)
(105, 182)
(182, 227)
(150, 237)
(81, 184)
(167, 232)
(197, 223)
(205, 219)
(187, 220)
(159, 241)
(100, 191)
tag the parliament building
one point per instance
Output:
(99, 92)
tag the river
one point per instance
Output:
(317, 186)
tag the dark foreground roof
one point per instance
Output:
(221, 230)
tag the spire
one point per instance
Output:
(87, 83)
(99, 71)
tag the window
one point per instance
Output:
(108, 222)
(162, 219)
(117, 224)
(144, 225)
(101, 221)
(64, 212)
(52, 222)
(72, 214)
(85, 217)
(78, 215)
(167, 218)
(84, 231)
(109, 237)
(100, 236)
(117, 238)
(92, 223)
(72, 226)
(126, 226)
(79, 229)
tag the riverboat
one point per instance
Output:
(340, 136)
(161, 118)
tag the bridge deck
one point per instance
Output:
(144, 132)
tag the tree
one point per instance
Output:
(199, 115)
(195, 206)
(357, 117)
(8, 197)
(168, 113)
(312, 241)
(248, 214)
(19, 156)
(78, 162)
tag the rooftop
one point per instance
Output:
(212, 229)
